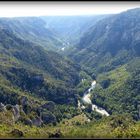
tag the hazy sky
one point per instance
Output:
(14, 9)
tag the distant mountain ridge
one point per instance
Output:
(71, 28)
(112, 37)
(32, 29)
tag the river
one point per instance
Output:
(86, 99)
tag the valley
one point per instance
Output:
(70, 76)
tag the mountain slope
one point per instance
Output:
(40, 87)
(32, 29)
(110, 50)
(70, 28)
(111, 42)
(23, 60)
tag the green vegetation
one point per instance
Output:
(40, 89)
(37, 86)
(116, 126)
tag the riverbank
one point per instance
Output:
(86, 99)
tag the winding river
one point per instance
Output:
(86, 99)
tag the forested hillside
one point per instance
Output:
(32, 79)
(32, 29)
(113, 41)
(110, 50)
(91, 90)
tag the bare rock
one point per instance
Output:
(2, 107)
(37, 121)
(16, 112)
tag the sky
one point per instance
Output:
(20, 9)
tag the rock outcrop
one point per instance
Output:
(37, 121)
(16, 112)
(2, 107)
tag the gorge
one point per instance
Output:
(70, 76)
